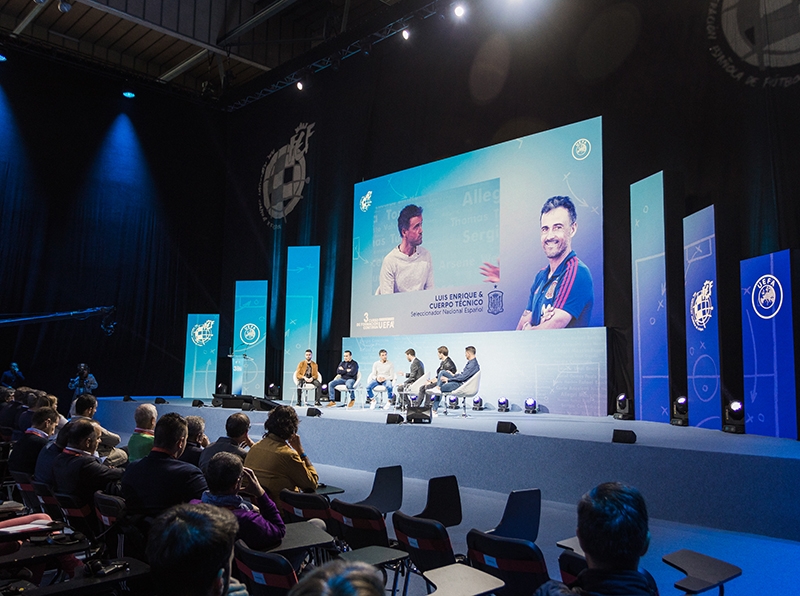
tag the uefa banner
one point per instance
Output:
(200, 365)
(302, 311)
(649, 275)
(249, 352)
(768, 346)
(702, 328)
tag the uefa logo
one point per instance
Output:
(250, 334)
(581, 149)
(767, 296)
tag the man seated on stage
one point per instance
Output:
(196, 442)
(279, 460)
(141, 441)
(161, 480)
(190, 550)
(415, 373)
(346, 374)
(613, 533)
(445, 364)
(450, 382)
(307, 373)
(26, 451)
(76, 470)
(86, 407)
(382, 374)
(237, 427)
(261, 525)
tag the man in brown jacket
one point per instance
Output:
(307, 373)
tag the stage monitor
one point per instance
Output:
(468, 261)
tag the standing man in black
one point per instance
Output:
(13, 377)
(445, 365)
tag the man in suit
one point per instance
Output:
(76, 470)
(237, 428)
(86, 407)
(160, 480)
(196, 442)
(26, 450)
(416, 370)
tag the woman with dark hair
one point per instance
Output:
(279, 460)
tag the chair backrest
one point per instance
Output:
(360, 525)
(110, 511)
(444, 501)
(415, 386)
(521, 515)
(570, 564)
(519, 563)
(470, 387)
(47, 500)
(304, 506)
(6, 432)
(25, 488)
(425, 540)
(80, 518)
(387, 490)
(264, 574)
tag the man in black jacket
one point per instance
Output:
(445, 365)
(160, 480)
(26, 450)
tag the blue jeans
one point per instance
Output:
(336, 382)
(374, 383)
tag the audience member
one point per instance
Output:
(237, 427)
(48, 455)
(196, 441)
(12, 410)
(279, 460)
(160, 480)
(260, 527)
(76, 470)
(613, 533)
(42, 400)
(141, 441)
(190, 550)
(338, 578)
(26, 451)
(86, 407)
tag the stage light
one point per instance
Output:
(222, 388)
(64, 6)
(406, 34)
(459, 10)
(477, 403)
(39, 1)
(737, 409)
(452, 402)
(623, 408)
(734, 417)
(680, 411)
(324, 389)
(273, 390)
(682, 405)
(502, 404)
(3, 58)
(128, 94)
(530, 406)
(300, 85)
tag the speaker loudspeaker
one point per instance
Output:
(197, 403)
(419, 415)
(394, 419)
(508, 428)
(623, 436)
(314, 412)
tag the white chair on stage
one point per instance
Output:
(467, 390)
(342, 389)
(307, 388)
(380, 393)
(409, 396)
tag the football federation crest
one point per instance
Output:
(366, 201)
(494, 302)
(767, 296)
(701, 307)
(201, 333)
(551, 290)
(581, 149)
(284, 176)
(250, 334)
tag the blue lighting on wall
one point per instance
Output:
(11, 146)
(121, 158)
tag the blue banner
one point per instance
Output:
(249, 350)
(200, 365)
(768, 346)
(649, 275)
(702, 329)
(302, 311)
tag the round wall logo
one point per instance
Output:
(757, 42)
(250, 334)
(201, 333)
(767, 296)
(581, 149)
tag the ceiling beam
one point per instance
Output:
(183, 66)
(29, 18)
(155, 27)
(258, 18)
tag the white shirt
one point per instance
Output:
(382, 369)
(403, 273)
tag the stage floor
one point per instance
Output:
(742, 483)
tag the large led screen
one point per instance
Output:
(461, 244)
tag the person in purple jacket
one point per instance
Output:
(260, 524)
